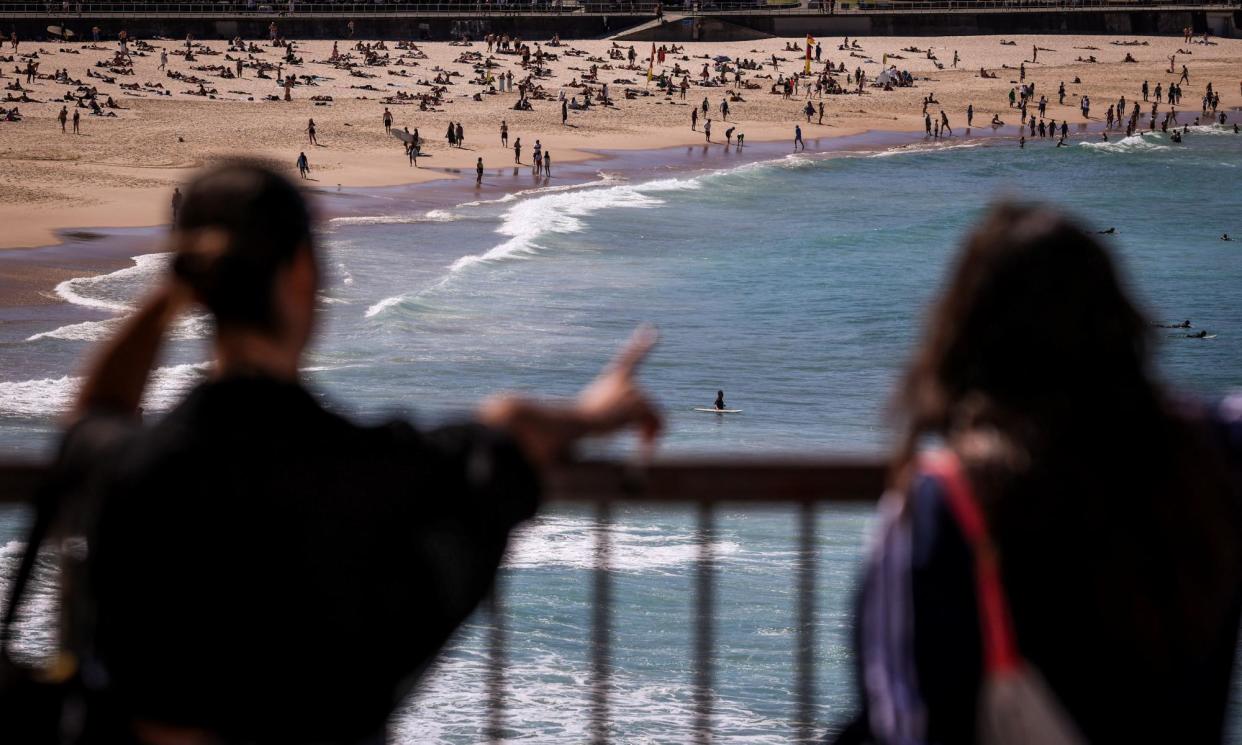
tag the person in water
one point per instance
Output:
(1197, 335)
(720, 404)
(262, 569)
(1136, 609)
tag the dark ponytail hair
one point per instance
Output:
(239, 224)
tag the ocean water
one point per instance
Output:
(798, 284)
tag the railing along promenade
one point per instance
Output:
(229, 9)
(706, 485)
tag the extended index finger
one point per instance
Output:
(636, 349)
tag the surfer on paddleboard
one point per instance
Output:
(720, 404)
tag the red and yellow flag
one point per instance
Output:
(810, 48)
(651, 63)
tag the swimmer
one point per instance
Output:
(1225, 237)
(1197, 335)
(720, 404)
(1110, 231)
(1183, 325)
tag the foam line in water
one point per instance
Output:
(108, 291)
(429, 216)
(1137, 143)
(558, 213)
(555, 541)
(926, 147)
(31, 399)
(190, 327)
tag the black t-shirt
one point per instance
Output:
(265, 569)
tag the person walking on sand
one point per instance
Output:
(694, 119)
(163, 59)
(63, 117)
(77, 118)
(239, 68)
(303, 165)
(517, 151)
(970, 114)
(504, 133)
(461, 135)
(176, 202)
(478, 172)
(944, 124)
(821, 112)
(564, 112)
(547, 164)
(798, 143)
(707, 130)
(310, 132)
(451, 135)
(387, 120)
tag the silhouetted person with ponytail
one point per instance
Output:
(261, 569)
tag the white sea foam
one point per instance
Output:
(102, 291)
(190, 327)
(547, 698)
(113, 292)
(554, 540)
(1138, 143)
(558, 213)
(429, 216)
(383, 305)
(30, 399)
(927, 147)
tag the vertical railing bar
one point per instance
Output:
(496, 662)
(805, 664)
(703, 630)
(600, 624)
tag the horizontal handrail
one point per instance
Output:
(676, 480)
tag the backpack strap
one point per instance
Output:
(47, 506)
(1000, 648)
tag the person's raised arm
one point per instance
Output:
(612, 402)
(118, 374)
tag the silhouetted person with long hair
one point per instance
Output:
(263, 570)
(1112, 508)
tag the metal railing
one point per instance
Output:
(232, 9)
(705, 484)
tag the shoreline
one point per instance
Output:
(29, 275)
(121, 169)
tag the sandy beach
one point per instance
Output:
(120, 170)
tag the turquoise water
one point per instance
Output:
(798, 285)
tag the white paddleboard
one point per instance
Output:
(719, 411)
(406, 137)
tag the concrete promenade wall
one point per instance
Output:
(724, 27)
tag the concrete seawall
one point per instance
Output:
(721, 27)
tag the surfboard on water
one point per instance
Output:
(718, 411)
(406, 137)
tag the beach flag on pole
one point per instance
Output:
(651, 63)
(810, 45)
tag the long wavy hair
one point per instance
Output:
(1097, 486)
